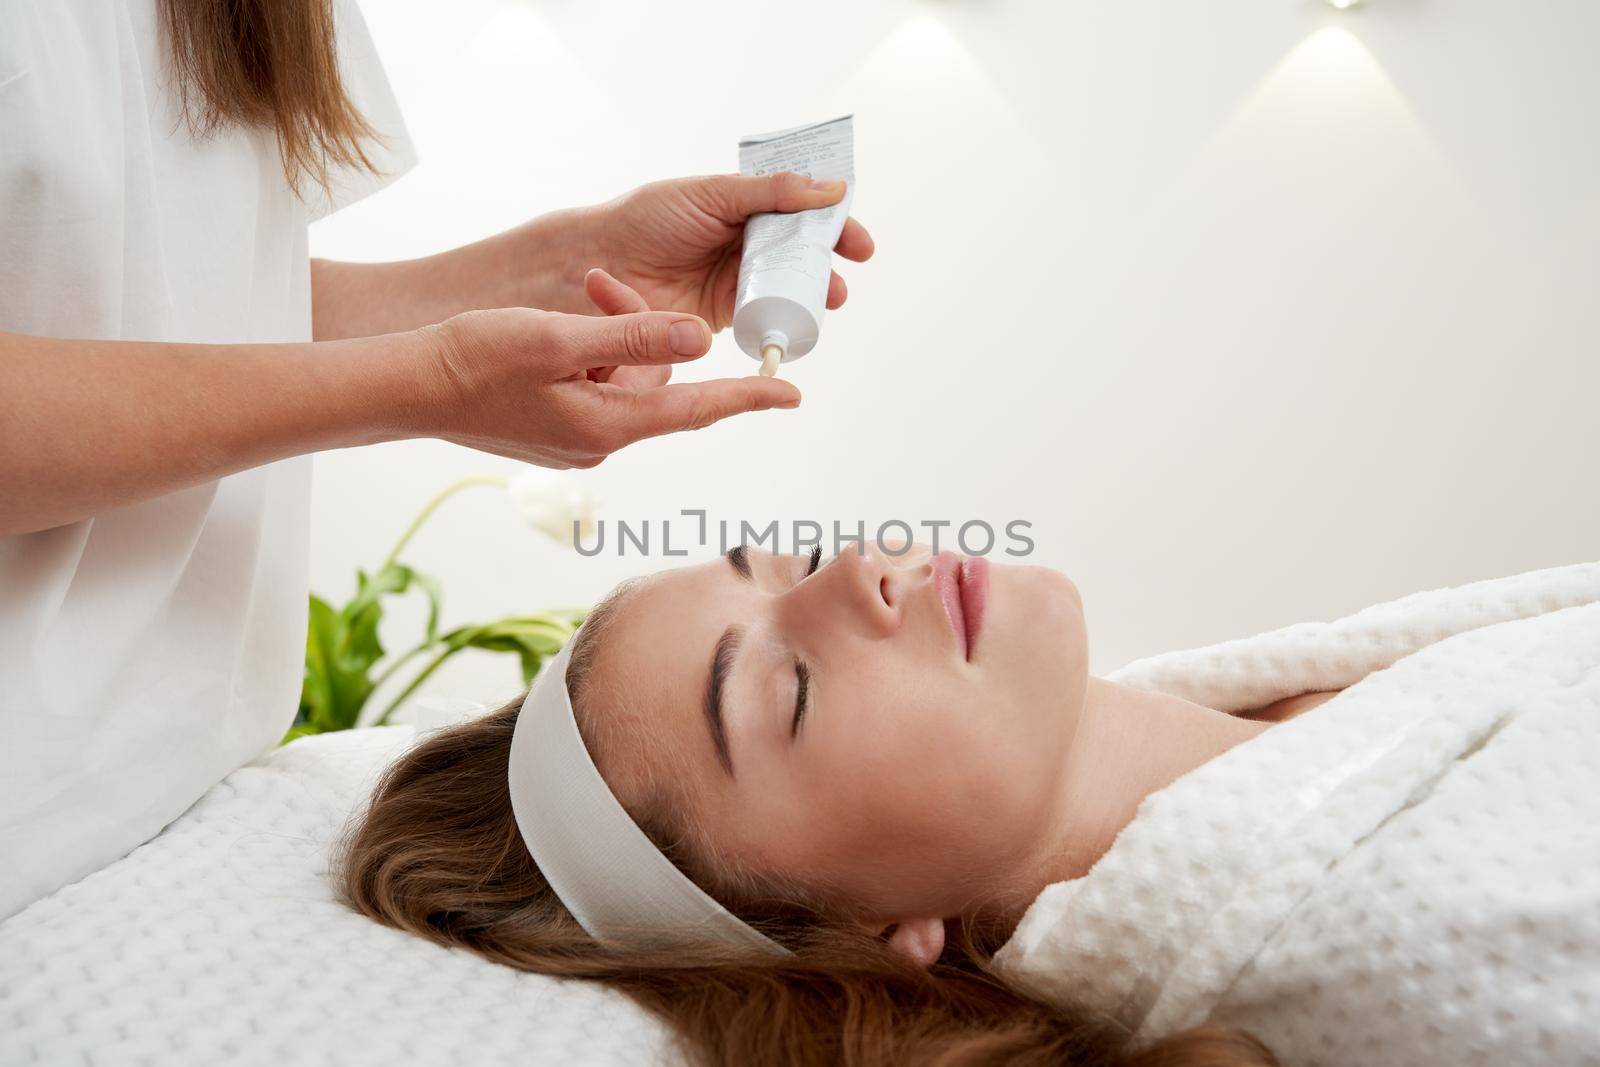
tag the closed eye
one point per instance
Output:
(803, 674)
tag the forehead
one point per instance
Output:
(654, 667)
(667, 614)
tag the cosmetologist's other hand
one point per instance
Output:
(564, 390)
(678, 242)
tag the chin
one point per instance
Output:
(1057, 594)
(1061, 636)
(1042, 612)
(1061, 585)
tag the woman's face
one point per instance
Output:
(920, 767)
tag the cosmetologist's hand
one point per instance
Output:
(564, 390)
(678, 242)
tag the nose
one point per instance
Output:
(861, 589)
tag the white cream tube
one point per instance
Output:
(788, 258)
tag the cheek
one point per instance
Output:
(914, 802)
(912, 782)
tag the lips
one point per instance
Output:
(963, 588)
(974, 596)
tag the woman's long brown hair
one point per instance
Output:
(272, 64)
(437, 853)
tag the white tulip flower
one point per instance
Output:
(552, 502)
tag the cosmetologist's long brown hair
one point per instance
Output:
(437, 853)
(271, 64)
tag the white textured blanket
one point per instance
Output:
(220, 942)
(1408, 874)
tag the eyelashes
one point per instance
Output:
(803, 673)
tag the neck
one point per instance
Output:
(1129, 743)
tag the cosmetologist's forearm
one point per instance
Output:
(86, 426)
(539, 264)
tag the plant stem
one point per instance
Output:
(433, 505)
(396, 664)
(383, 720)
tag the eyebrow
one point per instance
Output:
(739, 559)
(721, 661)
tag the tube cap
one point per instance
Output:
(774, 346)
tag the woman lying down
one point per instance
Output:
(877, 811)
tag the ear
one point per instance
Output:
(920, 940)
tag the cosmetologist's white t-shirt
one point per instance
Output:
(147, 652)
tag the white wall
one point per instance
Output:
(1258, 311)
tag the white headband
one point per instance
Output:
(613, 879)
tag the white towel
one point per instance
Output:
(1408, 874)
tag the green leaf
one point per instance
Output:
(365, 611)
(531, 637)
(316, 690)
(435, 592)
(359, 647)
(342, 647)
(336, 683)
